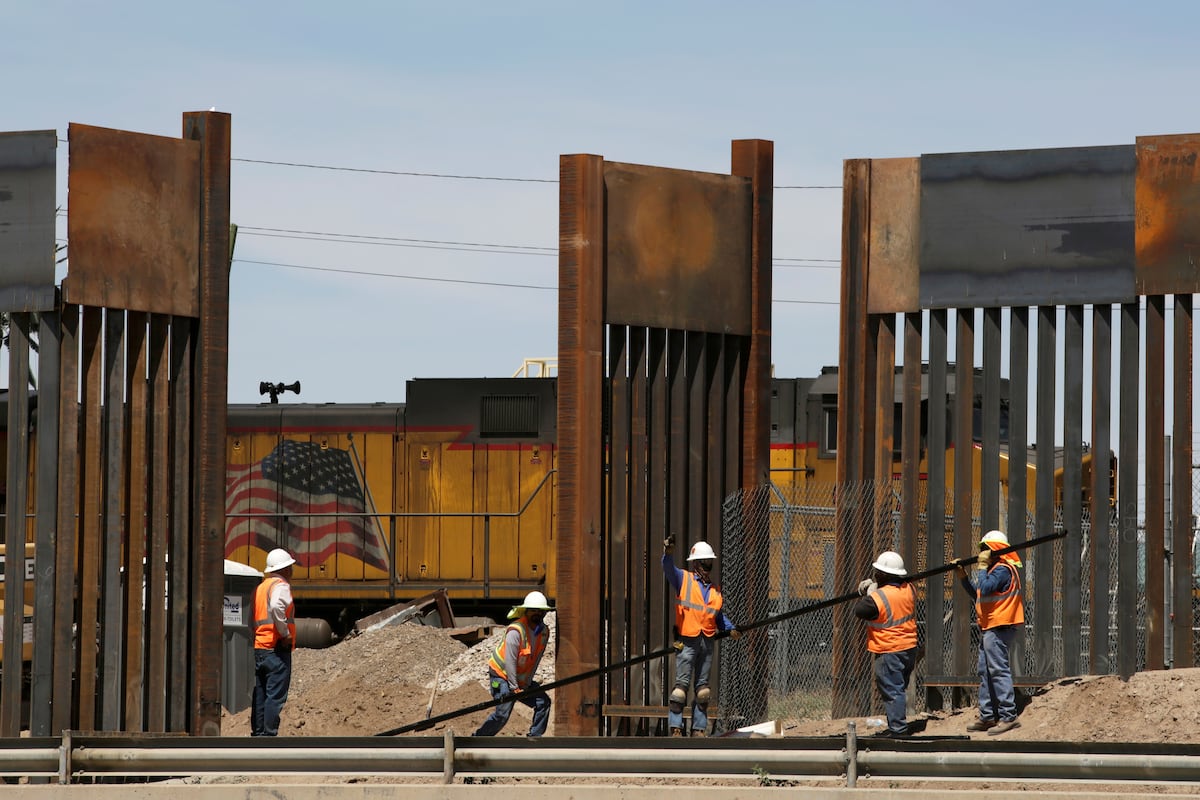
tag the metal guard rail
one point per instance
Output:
(89, 757)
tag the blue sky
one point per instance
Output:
(501, 90)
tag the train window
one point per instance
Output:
(508, 415)
(829, 430)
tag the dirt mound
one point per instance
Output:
(383, 678)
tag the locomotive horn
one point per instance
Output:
(276, 389)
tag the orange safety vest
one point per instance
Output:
(895, 629)
(995, 610)
(693, 615)
(530, 652)
(265, 634)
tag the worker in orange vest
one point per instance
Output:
(515, 661)
(274, 640)
(889, 606)
(699, 615)
(1000, 612)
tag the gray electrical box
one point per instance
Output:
(237, 665)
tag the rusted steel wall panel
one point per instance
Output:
(135, 555)
(966, 538)
(989, 489)
(659, 436)
(62, 715)
(910, 447)
(1168, 214)
(1155, 501)
(1027, 226)
(112, 629)
(1018, 440)
(895, 235)
(1042, 579)
(41, 697)
(91, 481)
(179, 549)
(17, 494)
(1101, 533)
(852, 548)
(1072, 485)
(27, 186)
(697, 438)
(158, 520)
(676, 243)
(1127, 490)
(936, 657)
(1181, 482)
(212, 131)
(134, 221)
(885, 411)
(580, 444)
(641, 551)
(618, 561)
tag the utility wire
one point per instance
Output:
(453, 176)
(807, 608)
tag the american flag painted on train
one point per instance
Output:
(294, 480)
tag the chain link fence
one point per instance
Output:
(803, 526)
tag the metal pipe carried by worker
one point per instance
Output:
(808, 608)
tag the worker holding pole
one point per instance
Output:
(1000, 611)
(699, 616)
(889, 606)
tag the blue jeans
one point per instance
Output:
(892, 671)
(692, 666)
(272, 677)
(540, 703)
(996, 697)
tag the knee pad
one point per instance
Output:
(678, 698)
(703, 696)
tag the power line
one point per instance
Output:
(467, 247)
(453, 176)
(368, 273)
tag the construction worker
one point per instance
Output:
(274, 640)
(698, 616)
(889, 606)
(514, 663)
(1000, 611)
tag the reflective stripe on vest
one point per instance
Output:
(895, 629)
(528, 654)
(1007, 608)
(265, 634)
(693, 615)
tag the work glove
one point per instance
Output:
(735, 634)
(669, 544)
(502, 689)
(866, 586)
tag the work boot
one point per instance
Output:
(1004, 727)
(981, 725)
(677, 732)
(698, 734)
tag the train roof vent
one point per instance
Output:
(508, 415)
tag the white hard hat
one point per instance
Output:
(535, 601)
(996, 537)
(278, 559)
(701, 551)
(891, 563)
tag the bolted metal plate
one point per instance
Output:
(895, 235)
(1168, 214)
(27, 220)
(134, 221)
(1026, 227)
(678, 249)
